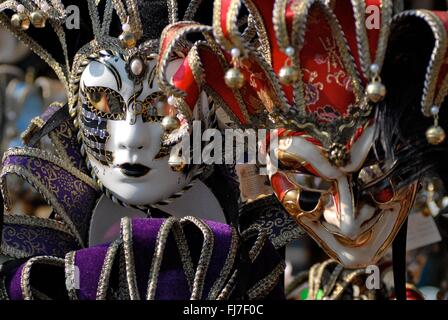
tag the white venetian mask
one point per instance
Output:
(120, 116)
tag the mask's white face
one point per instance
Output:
(122, 132)
(354, 212)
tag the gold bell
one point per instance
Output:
(170, 123)
(435, 135)
(128, 40)
(376, 91)
(20, 21)
(38, 19)
(288, 75)
(234, 78)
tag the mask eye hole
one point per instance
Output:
(156, 106)
(308, 200)
(383, 195)
(104, 100)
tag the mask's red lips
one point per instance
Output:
(134, 170)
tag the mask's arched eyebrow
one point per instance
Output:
(113, 70)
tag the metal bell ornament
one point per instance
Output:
(38, 18)
(20, 20)
(375, 91)
(170, 123)
(435, 134)
(127, 38)
(234, 78)
(289, 74)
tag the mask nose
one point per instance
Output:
(347, 214)
(131, 137)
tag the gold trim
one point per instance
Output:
(196, 66)
(228, 265)
(26, 272)
(263, 38)
(185, 255)
(263, 287)
(259, 241)
(231, 23)
(172, 11)
(101, 293)
(156, 262)
(386, 19)
(126, 232)
(205, 257)
(217, 30)
(37, 222)
(3, 291)
(165, 56)
(35, 124)
(70, 275)
(279, 22)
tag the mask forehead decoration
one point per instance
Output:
(125, 124)
(314, 72)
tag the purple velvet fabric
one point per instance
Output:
(13, 285)
(144, 237)
(172, 283)
(89, 261)
(221, 248)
